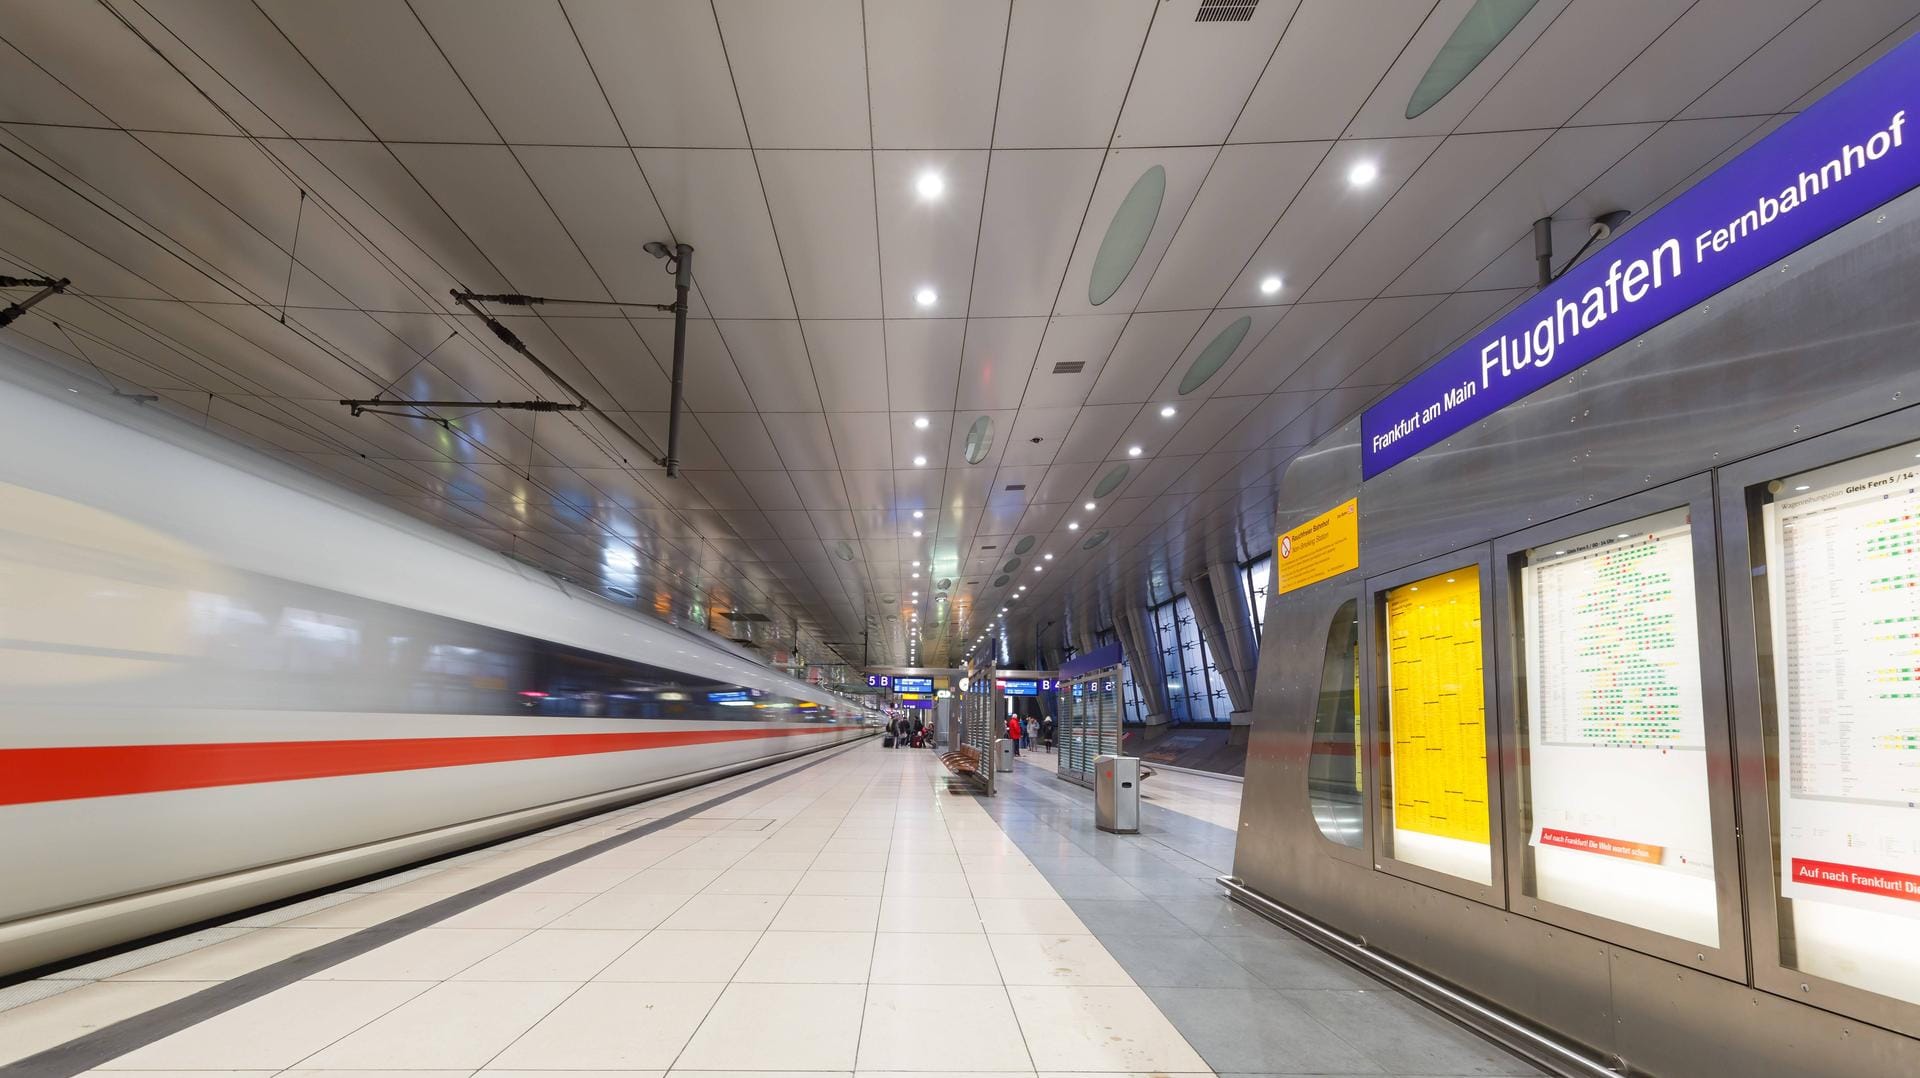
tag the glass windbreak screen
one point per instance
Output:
(1842, 591)
(1619, 819)
(1436, 721)
(1336, 767)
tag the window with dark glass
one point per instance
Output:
(1336, 765)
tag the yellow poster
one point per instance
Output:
(1437, 706)
(1325, 546)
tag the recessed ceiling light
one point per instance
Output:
(1073, 525)
(1036, 568)
(1046, 557)
(916, 576)
(917, 514)
(926, 297)
(916, 535)
(1803, 486)
(1363, 173)
(916, 565)
(916, 595)
(921, 422)
(919, 462)
(1022, 587)
(1269, 285)
(1133, 451)
(931, 185)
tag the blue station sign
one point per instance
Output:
(1851, 152)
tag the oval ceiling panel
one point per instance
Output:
(979, 439)
(1215, 355)
(1095, 539)
(1001, 582)
(1127, 235)
(1111, 481)
(1025, 544)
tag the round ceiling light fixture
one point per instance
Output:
(921, 422)
(1363, 173)
(1269, 286)
(931, 185)
(1134, 451)
(926, 297)
(919, 462)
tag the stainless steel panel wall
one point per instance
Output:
(1826, 339)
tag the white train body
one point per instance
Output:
(224, 682)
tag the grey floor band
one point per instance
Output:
(111, 1042)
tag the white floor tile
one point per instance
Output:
(933, 958)
(977, 1030)
(1057, 960)
(451, 881)
(607, 1026)
(554, 954)
(231, 958)
(724, 913)
(1100, 1029)
(621, 911)
(37, 1026)
(1049, 915)
(668, 881)
(828, 913)
(775, 860)
(862, 884)
(786, 1026)
(1028, 885)
(277, 1030)
(579, 879)
(431, 954)
(365, 912)
(903, 914)
(927, 884)
(455, 1024)
(809, 958)
(682, 957)
(754, 881)
(515, 910)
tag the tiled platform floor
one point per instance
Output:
(853, 917)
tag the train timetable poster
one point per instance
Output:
(1614, 713)
(1844, 583)
(1438, 706)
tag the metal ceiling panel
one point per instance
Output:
(713, 199)
(869, 489)
(84, 46)
(1181, 171)
(1385, 113)
(1094, 432)
(933, 68)
(923, 357)
(849, 363)
(1068, 63)
(490, 197)
(1149, 347)
(1695, 52)
(996, 361)
(356, 174)
(744, 438)
(1215, 333)
(910, 441)
(861, 440)
(1301, 332)
(1823, 40)
(1208, 422)
(1577, 55)
(679, 96)
(822, 203)
(1086, 341)
(604, 204)
(1247, 190)
(820, 489)
(928, 243)
(802, 440)
(1036, 200)
(1328, 213)
(379, 58)
(772, 358)
(713, 382)
(1037, 435)
(524, 66)
(1449, 183)
(1368, 332)
(1167, 105)
(1333, 54)
(800, 70)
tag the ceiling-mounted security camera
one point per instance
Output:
(656, 249)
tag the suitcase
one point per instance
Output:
(887, 743)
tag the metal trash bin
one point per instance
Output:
(1003, 754)
(1116, 794)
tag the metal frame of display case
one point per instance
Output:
(1089, 723)
(980, 721)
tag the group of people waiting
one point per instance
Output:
(1025, 733)
(909, 732)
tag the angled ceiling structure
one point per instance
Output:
(989, 296)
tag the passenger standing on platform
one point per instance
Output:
(1046, 732)
(1013, 732)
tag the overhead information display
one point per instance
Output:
(1844, 547)
(1616, 726)
(1438, 712)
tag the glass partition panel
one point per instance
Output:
(1436, 725)
(1616, 796)
(1336, 768)
(1839, 598)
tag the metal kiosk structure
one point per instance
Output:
(980, 724)
(1089, 722)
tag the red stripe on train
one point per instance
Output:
(70, 772)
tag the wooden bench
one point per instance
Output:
(964, 760)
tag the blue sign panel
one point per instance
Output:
(1842, 157)
(734, 696)
(923, 705)
(1026, 686)
(913, 684)
(878, 681)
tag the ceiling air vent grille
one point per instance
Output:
(994, 547)
(1070, 366)
(1226, 10)
(1016, 486)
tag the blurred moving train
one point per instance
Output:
(224, 682)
